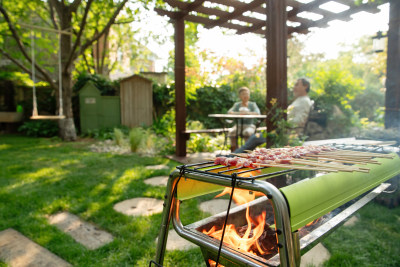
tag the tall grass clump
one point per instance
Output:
(119, 137)
(136, 138)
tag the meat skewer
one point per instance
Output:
(323, 157)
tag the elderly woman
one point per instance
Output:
(243, 107)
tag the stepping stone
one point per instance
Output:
(215, 206)
(18, 251)
(352, 221)
(82, 232)
(157, 167)
(315, 257)
(157, 181)
(141, 206)
(175, 242)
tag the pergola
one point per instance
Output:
(277, 20)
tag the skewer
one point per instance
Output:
(297, 167)
(358, 153)
(334, 160)
(329, 165)
(354, 160)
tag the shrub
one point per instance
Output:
(39, 128)
(106, 133)
(105, 86)
(119, 137)
(136, 138)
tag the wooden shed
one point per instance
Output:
(136, 101)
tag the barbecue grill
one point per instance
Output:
(298, 215)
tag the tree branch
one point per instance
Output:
(52, 15)
(104, 52)
(124, 21)
(18, 63)
(39, 15)
(21, 47)
(79, 35)
(56, 5)
(106, 28)
(87, 62)
(74, 6)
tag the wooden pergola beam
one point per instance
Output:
(276, 31)
(180, 95)
(236, 13)
(392, 94)
(276, 36)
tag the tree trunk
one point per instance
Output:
(67, 125)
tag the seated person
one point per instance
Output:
(244, 107)
(298, 113)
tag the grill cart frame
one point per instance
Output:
(289, 244)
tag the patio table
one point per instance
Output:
(239, 118)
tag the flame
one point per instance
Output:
(249, 238)
(240, 196)
(248, 242)
(312, 222)
(213, 263)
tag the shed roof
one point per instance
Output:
(247, 16)
(135, 76)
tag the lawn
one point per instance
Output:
(39, 177)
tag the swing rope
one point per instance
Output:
(35, 114)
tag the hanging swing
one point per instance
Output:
(35, 115)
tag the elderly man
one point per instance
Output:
(298, 113)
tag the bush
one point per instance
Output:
(136, 138)
(106, 133)
(119, 137)
(333, 89)
(105, 86)
(39, 128)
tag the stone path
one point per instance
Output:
(315, 257)
(157, 181)
(174, 242)
(215, 206)
(18, 251)
(141, 206)
(352, 221)
(82, 232)
(157, 167)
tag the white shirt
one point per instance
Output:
(298, 111)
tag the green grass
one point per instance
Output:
(39, 177)
(373, 241)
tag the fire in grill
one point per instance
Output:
(273, 226)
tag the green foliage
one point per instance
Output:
(106, 133)
(211, 100)
(163, 98)
(119, 137)
(333, 89)
(281, 135)
(136, 138)
(166, 124)
(39, 128)
(105, 86)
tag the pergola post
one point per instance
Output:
(180, 102)
(392, 100)
(276, 37)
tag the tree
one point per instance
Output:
(87, 21)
